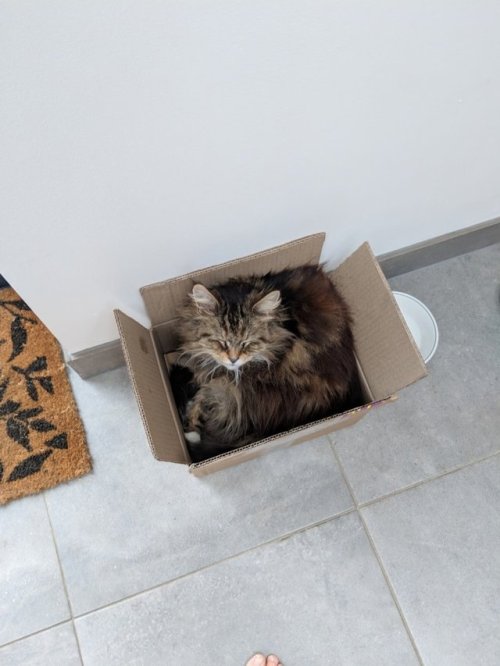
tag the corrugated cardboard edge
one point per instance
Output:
(161, 362)
(163, 299)
(284, 440)
(131, 375)
(256, 255)
(378, 336)
(178, 454)
(424, 369)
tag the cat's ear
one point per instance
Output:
(204, 299)
(268, 304)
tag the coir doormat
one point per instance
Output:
(42, 440)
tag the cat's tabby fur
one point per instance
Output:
(261, 355)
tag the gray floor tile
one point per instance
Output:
(440, 544)
(136, 522)
(453, 416)
(54, 647)
(317, 597)
(31, 589)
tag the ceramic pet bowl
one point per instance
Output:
(421, 323)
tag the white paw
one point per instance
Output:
(193, 437)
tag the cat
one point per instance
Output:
(261, 355)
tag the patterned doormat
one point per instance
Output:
(42, 440)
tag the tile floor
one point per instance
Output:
(380, 546)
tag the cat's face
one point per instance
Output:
(234, 335)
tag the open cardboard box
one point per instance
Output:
(388, 358)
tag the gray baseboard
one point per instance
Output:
(95, 360)
(440, 248)
(109, 356)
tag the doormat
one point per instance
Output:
(42, 440)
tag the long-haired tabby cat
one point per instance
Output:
(261, 355)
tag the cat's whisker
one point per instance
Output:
(184, 353)
(201, 355)
(260, 358)
(212, 373)
(192, 355)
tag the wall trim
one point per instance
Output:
(108, 356)
(96, 360)
(440, 248)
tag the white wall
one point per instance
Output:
(141, 139)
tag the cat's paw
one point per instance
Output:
(193, 437)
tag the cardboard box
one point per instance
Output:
(387, 356)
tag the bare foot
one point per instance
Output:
(260, 660)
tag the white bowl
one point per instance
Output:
(421, 323)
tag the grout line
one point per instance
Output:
(357, 506)
(72, 617)
(336, 457)
(34, 633)
(416, 484)
(422, 482)
(278, 539)
(388, 582)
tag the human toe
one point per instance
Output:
(272, 660)
(257, 660)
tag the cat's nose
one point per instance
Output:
(233, 358)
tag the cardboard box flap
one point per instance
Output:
(163, 299)
(385, 348)
(155, 401)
